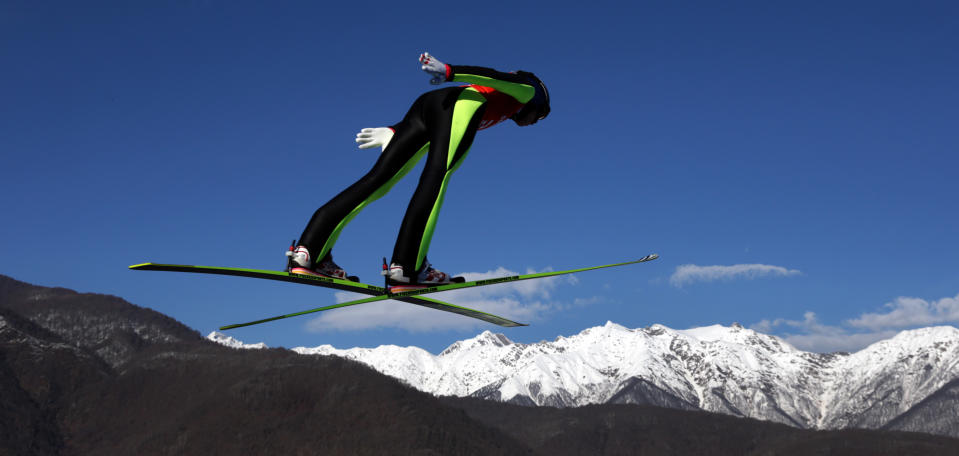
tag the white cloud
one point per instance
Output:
(523, 301)
(810, 335)
(830, 343)
(690, 273)
(586, 302)
(905, 312)
(857, 333)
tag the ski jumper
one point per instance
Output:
(441, 125)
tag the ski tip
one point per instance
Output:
(141, 265)
(650, 257)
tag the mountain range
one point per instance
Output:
(731, 370)
(86, 373)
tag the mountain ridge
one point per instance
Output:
(724, 369)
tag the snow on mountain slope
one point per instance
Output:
(730, 370)
(224, 339)
(887, 378)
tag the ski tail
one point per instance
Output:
(283, 276)
(305, 312)
(464, 311)
(426, 302)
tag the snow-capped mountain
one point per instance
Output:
(730, 370)
(871, 387)
(224, 339)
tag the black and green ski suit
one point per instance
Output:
(440, 124)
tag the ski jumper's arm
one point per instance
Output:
(506, 93)
(511, 84)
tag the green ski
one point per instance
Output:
(327, 282)
(402, 296)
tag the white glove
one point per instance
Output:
(434, 67)
(373, 137)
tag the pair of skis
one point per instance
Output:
(376, 293)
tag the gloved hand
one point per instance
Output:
(373, 137)
(434, 67)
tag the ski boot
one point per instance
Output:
(428, 276)
(299, 263)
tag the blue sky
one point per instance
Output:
(793, 165)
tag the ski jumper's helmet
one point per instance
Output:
(537, 108)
